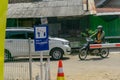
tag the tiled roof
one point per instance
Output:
(108, 11)
(46, 9)
(108, 3)
(100, 3)
(100, 10)
(113, 4)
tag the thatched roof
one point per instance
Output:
(46, 9)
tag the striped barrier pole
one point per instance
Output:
(107, 45)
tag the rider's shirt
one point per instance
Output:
(98, 37)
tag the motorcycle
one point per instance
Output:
(85, 50)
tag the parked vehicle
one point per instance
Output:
(16, 45)
(85, 50)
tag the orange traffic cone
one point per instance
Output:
(60, 75)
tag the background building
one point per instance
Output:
(108, 15)
(66, 18)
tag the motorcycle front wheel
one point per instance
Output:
(104, 53)
(82, 54)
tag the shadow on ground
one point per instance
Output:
(94, 59)
(34, 59)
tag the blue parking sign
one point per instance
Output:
(41, 40)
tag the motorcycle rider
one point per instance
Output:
(99, 36)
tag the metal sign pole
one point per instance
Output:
(47, 69)
(41, 63)
(30, 59)
(49, 76)
(41, 42)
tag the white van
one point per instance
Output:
(16, 45)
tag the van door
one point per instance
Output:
(31, 35)
(17, 43)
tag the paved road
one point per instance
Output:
(93, 68)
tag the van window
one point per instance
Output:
(15, 35)
(30, 35)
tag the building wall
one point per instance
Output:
(66, 27)
(54, 29)
(11, 22)
(20, 22)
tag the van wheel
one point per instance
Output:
(7, 55)
(57, 53)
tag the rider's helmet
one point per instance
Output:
(99, 27)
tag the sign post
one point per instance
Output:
(41, 42)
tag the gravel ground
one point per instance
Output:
(93, 68)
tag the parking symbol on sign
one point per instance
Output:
(41, 32)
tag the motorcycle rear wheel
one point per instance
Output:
(83, 54)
